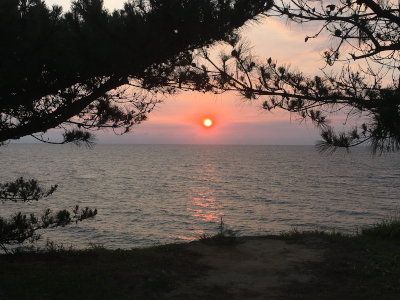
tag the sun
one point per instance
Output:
(207, 122)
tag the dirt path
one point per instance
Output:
(252, 268)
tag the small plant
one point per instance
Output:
(52, 246)
(223, 236)
(223, 231)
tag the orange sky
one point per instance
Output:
(179, 119)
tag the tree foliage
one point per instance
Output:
(365, 33)
(20, 228)
(90, 69)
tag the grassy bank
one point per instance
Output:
(95, 273)
(365, 265)
(361, 266)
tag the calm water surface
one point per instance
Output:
(152, 194)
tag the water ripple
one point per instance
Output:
(158, 194)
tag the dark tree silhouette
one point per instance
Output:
(21, 228)
(89, 69)
(369, 94)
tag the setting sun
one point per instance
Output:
(207, 122)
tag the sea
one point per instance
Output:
(158, 194)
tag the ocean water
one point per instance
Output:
(156, 194)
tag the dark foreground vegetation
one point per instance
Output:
(361, 266)
(365, 265)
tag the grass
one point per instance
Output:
(388, 228)
(364, 265)
(95, 273)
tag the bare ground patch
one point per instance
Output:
(250, 268)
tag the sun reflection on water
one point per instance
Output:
(203, 205)
(184, 238)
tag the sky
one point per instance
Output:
(179, 119)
